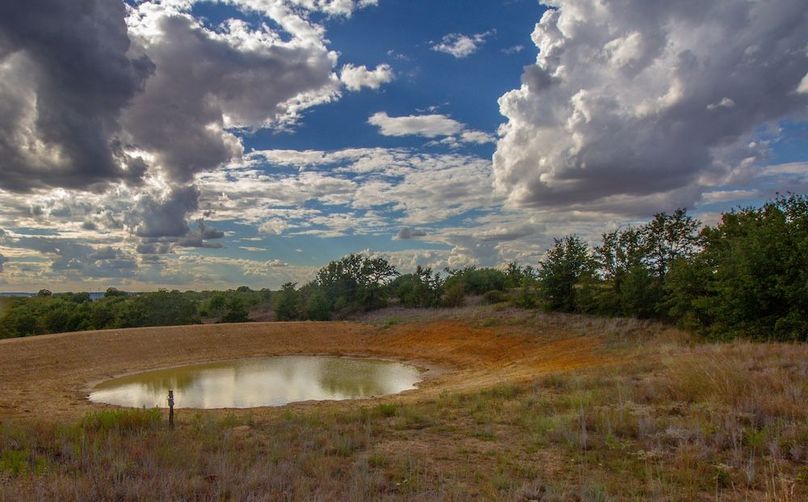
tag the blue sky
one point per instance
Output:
(213, 143)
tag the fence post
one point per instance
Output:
(171, 409)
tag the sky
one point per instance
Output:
(209, 144)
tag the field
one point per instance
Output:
(518, 405)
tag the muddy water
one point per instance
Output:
(270, 381)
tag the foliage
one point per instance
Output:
(286, 303)
(759, 280)
(62, 312)
(494, 296)
(566, 263)
(422, 288)
(355, 283)
(476, 281)
(747, 276)
(454, 294)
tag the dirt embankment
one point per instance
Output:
(48, 376)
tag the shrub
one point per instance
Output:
(495, 296)
(454, 295)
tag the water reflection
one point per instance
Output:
(271, 381)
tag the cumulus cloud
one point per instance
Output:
(642, 104)
(133, 100)
(165, 216)
(273, 226)
(66, 74)
(208, 82)
(2, 262)
(200, 237)
(357, 77)
(429, 126)
(460, 45)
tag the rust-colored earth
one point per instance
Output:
(49, 376)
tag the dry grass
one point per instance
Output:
(665, 419)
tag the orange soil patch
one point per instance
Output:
(49, 376)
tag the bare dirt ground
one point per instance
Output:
(49, 376)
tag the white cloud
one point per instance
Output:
(803, 87)
(460, 45)
(516, 49)
(357, 77)
(643, 105)
(331, 7)
(370, 190)
(429, 126)
(718, 196)
(478, 137)
(274, 226)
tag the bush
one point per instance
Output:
(476, 281)
(495, 296)
(454, 295)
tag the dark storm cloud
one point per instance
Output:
(198, 238)
(150, 247)
(64, 79)
(409, 233)
(166, 217)
(163, 223)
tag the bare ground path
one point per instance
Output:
(48, 376)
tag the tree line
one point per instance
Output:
(746, 276)
(57, 313)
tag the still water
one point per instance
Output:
(269, 381)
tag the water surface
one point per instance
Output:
(268, 381)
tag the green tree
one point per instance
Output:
(668, 237)
(758, 283)
(317, 306)
(356, 282)
(476, 281)
(286, 302)
(236, 310)
(564, 265)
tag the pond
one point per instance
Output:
(268, 381)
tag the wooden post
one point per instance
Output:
(171, 409)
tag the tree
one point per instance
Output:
(166, 308)
(476, 281)
(516, 276)
(566, 263)
(356, 282)
(286, 302)
(419, 289)
(316, 304)
(758, 272)
(236, 310)
(668, 237)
